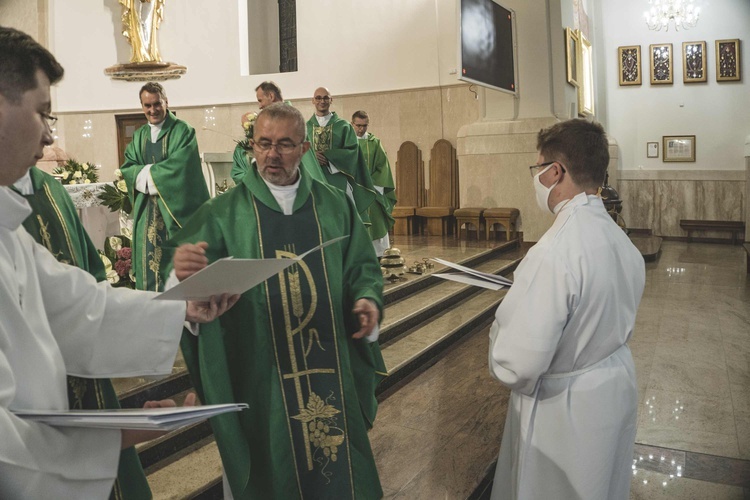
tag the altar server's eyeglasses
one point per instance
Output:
(283, 148)
(49, 120)
(534, 169)
(324, 98)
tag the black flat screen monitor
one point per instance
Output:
(486, 53)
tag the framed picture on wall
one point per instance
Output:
(678, 147)
(652, 150)
(571, 55)
(694, 62)
(630, 64)
(661, 64)
(728, 60)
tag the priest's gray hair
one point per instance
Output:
(269, 87)
(283, 111)
(20, 57)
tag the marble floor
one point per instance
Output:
(691, 347)
(692, 352)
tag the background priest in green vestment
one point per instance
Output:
(382, 179)
(301, 349)
(54, 223)
(266, 93)
(165, 183)
(335, 146)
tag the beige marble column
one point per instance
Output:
(747, 188)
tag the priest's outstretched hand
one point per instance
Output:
(368, 315)
(188, 260)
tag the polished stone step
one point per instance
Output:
(405, 354)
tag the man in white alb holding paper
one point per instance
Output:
(55, 318)
(558, 340)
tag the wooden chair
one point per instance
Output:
(507, 217)
(443, 193)
(409, 188)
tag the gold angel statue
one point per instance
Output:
(140, 20)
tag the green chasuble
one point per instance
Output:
(286, 348)
(380, 171)
(241, 165)
(54, 223)
(181, 189)
(338, 143)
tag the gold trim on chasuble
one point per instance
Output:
(164, 141)
(153, 230)
(322, 138)
(316, 417)
(46, 237)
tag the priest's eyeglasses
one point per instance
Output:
(282, 148)
(324, 98)
(535, 169)
(49, 120)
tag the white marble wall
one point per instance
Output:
(658, 199)
(493, 162)
(420, 115)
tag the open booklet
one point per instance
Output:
(234, 276)
(157, 419)
(471, 276)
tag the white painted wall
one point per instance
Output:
(350, 45)
(716, 113)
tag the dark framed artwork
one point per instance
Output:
(694, 62)
(630, 64)
(661, 64)
(728, 60)
(652, 150)
(572, 39)
(678, 147)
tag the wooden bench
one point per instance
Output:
(507, 217)
(732, 226)
(470, 217)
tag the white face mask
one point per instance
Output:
(542, 192)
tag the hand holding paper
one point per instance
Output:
(228, 275)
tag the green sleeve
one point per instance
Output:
(240, 164)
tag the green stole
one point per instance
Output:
(338, 143)
(380, 171)
(54, 223)
(181, 189)
(286, 347)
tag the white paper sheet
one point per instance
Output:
(469, 280)
(165, 419)
(234, 276)
(491, 278)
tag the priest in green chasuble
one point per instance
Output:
(165, 183)
(54, 223)
(335, 146)
(301, 348)
(382, 179)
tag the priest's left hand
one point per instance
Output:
(205, 312)
(368, 314)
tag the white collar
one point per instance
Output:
(13, 208)
(323, 120)
(24, 184)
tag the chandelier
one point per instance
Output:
(682, 12)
